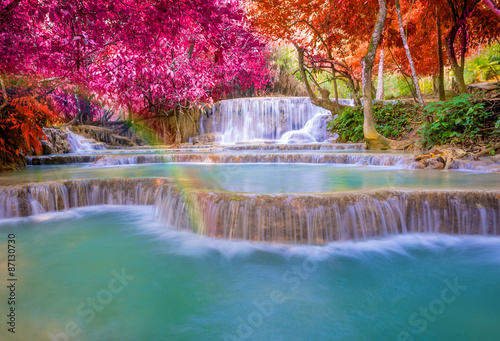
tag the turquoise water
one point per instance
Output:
(268, 177)
(180, 286)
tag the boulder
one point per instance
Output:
(56, 141)
(208, 138)
(47, 147)
(119, 135)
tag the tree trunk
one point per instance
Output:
(178, 137)
(355, 91)
(373, 139)
(130, 114)
(458, 69)
(380, 84)
(323, 102)
(408, 55)
(335, 89)
(78, 117)
(442, 95)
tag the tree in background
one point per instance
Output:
(471, 23)
(329, 36)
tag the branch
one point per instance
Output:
(493, 7)
(7, 11)
(300, 52)
(486, 151)
(323, 102)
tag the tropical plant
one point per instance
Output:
(394, 120)
(462, 120)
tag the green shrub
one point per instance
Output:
(393, 120)
(461, 120)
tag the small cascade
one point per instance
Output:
(313, 219)
(27, 200)
(264, 118)
(322, 146)
(132, 160)
(80, 143)
(313, 131)
(397, 160)
(327, 218)
(402, 161)
(476, 166)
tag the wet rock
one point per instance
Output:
(417, 165)
(334, 138)
(432, 163)
(445, 155)
(56, 141)
(208, 138)
(119, 136)
(47, 147)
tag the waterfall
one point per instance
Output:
(80, 143)
(267, 118)
(402, 161)
(300, 218)
(26, 200)
(325, 218)
(313, 131)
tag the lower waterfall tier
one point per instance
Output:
(313, 219)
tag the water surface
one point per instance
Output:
(180, 286)
(268, 177)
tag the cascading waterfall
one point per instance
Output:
(80, 143)
(313, 131)
(400, 161)
(27, 200)
(326, 218)
(297, 218)
(338, 158)
(267, 118)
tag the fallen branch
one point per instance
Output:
(402, 145)
(485, 152)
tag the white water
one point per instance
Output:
(269, 118)
(315, 219)
(313, 131)
(80, 143)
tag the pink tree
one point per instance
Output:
(150, 56)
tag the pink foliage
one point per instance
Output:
(139, 54)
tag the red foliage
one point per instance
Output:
(21, 118)
(340, 30)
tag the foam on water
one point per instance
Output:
(80, 143)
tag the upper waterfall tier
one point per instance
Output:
(267, 118)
